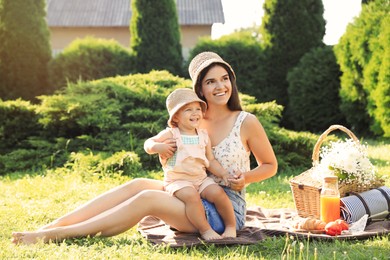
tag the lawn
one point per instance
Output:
(28, 201)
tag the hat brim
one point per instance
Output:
(180, 105)
(206, 64)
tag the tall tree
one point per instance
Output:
(363, 54)
(24, 50)
(289, 29)
(155, 36)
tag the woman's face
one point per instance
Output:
(216, 86)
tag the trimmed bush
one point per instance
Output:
(18, 121)
(377, 80)
(24, 49)
(314, 91)
(125, 163)
(289, 29)
(155, 36)
(104, 123)
(90, 58)
(111, 114)
(363, 54)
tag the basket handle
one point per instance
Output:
(316, 150)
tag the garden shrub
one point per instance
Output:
(268, 113)
(83, 108)
(25, 50)
(285, 39)
(155, 36)
(101, 125)
(90, 58)
(35, 153)
(377, 80)
(111, 114)
(363, 53)
(24, 160)
(18, 121)
(123, 162)
(314, 91)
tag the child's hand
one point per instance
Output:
(166, 149)
(225, 179)
(237, 181)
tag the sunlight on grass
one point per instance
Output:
(31, 201)
(379, 153)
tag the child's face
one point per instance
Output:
(189, 116)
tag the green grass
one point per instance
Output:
(28, 201)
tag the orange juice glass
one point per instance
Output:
(330, 208)
(330, 199)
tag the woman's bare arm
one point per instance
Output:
(256, 140)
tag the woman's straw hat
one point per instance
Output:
(202, 61)
(179, 98)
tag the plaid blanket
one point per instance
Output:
(260, 224)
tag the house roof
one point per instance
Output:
(113, 13)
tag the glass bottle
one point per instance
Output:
(330, 200)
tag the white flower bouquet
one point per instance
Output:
(348, 160)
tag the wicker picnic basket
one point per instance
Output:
(306, 189)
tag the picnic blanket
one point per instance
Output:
(260, 224)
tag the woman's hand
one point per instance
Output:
(237, 181)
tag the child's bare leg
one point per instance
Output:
(105, 202)
(195, 212)
(215, 194)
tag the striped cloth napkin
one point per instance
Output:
(375, 203)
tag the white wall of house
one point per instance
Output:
(61, 37)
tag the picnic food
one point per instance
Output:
(309, 224)
(334, 228)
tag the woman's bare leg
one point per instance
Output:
(105, 202)
(118, 219)
(215, 194)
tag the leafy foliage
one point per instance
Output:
(377, 80)
(313, 91)
(101, 119)
(24, 50)
(122, 162)
(289, 29)
(90, 58)
(18, 121)
(155, 36)
(363, 53)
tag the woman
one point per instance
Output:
(234, 135)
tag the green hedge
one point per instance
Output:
(314, 91)
(90, 58)
(101, 121)
(363, 54)
(18, 121)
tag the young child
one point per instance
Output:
(185, 172)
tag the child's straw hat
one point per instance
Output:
(202, 61)
(179, 98)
